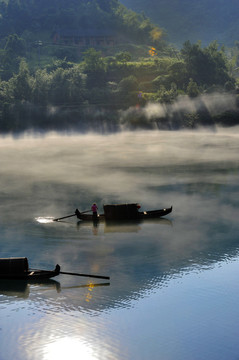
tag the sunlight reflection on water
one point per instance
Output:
(173, 281)
(66, 347)
(44, 220)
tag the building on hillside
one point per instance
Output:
(85, 38)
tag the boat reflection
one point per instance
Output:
(22, 289)
(137, 266)
(130, 226)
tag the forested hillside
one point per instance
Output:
(44, 17)
(94, 64)
(193, 20)
(42, 30)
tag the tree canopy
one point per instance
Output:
(206, 65)
(48, 85)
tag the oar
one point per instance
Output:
(77, 274)
(64, 217)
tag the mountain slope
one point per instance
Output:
(193, 20)
(24, 17)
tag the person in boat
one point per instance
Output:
(94, 209)
(77, 212)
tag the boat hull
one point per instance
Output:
(155, 213)
(28, 274)
(37, 276)
(140, 215)
(88, 217)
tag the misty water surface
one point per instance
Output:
(173, 290)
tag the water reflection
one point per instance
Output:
(195, 172)
(22, 289)
(138, 258)
(44, 220)
(59, 349)
(122, 226)
(137, 261)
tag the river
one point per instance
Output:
(173, 290)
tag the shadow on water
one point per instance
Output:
(123, 226)
(22, 289)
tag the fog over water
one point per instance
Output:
(126, 167)
(52, 175)
(213, 104)
(176, 276)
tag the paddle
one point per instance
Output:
(87, 275)
(64, 217)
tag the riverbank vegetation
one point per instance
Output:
(65, 85)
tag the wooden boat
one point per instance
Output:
(18, 269)
(123, 212)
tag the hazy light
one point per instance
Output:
(44, 220)
(68, 348)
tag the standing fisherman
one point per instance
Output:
(94, 209)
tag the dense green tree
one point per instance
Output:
(206, 66)
(41, 83)
(76, 85)
(128, 84)
(59, 86)
(65, 86)
(21, 83)
(123, 56)
(14, 49)
(95, 68)
(178, 74)
(93, 61)
(167, 96)
(192, 88)
(15, 46)
(6, 93)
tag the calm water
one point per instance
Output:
(174, 289)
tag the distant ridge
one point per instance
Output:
(205, 20)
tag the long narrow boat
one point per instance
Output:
(123, 212)
(18, 269)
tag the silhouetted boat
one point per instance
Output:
(18, 269)
(123, 212)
